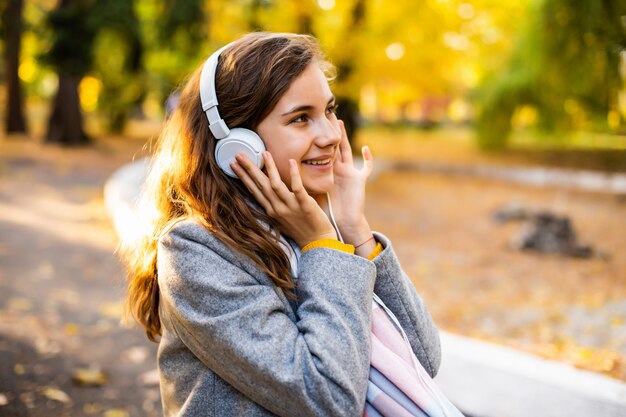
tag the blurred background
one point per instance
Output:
(498, 128)
(504, 70)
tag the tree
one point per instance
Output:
(565, 64)
(180, 41)
(117, 52)
(184, 24)
(12, 33)
(70, 54)
(348, 107)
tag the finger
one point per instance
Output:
(260, 179)
(265, 186)
(296, 183)
(277, 184)
(251, 186)
(344, 145)
(368, 160)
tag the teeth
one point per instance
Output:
(322, 162)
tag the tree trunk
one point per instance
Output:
(66, 123)
(348, 109)
(13, 25)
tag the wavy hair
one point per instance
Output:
(252, 75)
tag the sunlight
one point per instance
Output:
(61, 220)
(49, 85)
(122, 200)
(326, 4)
(459, 110)
(395, 51)
(369, 101)
(456, 41)
(466, 11)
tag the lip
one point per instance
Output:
(329, 165)
(324, 167)
(321, 157)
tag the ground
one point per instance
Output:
(63, 349)
(464, 263)
(65, 352)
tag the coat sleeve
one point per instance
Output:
(314, 365)
(395, 289)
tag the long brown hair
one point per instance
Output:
(252, 75)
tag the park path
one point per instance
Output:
(63, 349)
(61, 284)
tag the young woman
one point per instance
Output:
(258, 306)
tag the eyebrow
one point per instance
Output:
(305, 107)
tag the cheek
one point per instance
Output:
(284, 150)
(283, 170)
(281, 160)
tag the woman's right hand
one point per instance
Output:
(297, 213)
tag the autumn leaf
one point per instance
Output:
(116, 412)
(55, 394)
(89, 377)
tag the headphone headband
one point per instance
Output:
(230, 143)
(208, 96)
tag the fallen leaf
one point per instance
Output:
(55, 394)
(18, 369)
(116, 412)
(89, 377)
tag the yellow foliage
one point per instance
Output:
(27, 70)
(402, 53)
(89, 91)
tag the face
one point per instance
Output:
(303, 126)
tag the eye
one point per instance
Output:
(300, 119)
(332, 109)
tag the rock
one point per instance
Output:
(543, 231)
(548, 233)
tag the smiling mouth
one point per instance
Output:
(318, 162)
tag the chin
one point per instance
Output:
(319, 187)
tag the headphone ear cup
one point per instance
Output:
(239, 140)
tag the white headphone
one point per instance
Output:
(230, 142)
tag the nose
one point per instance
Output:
(328, 133)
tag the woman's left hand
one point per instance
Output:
(348, 194)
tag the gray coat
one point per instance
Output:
(234, 345)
